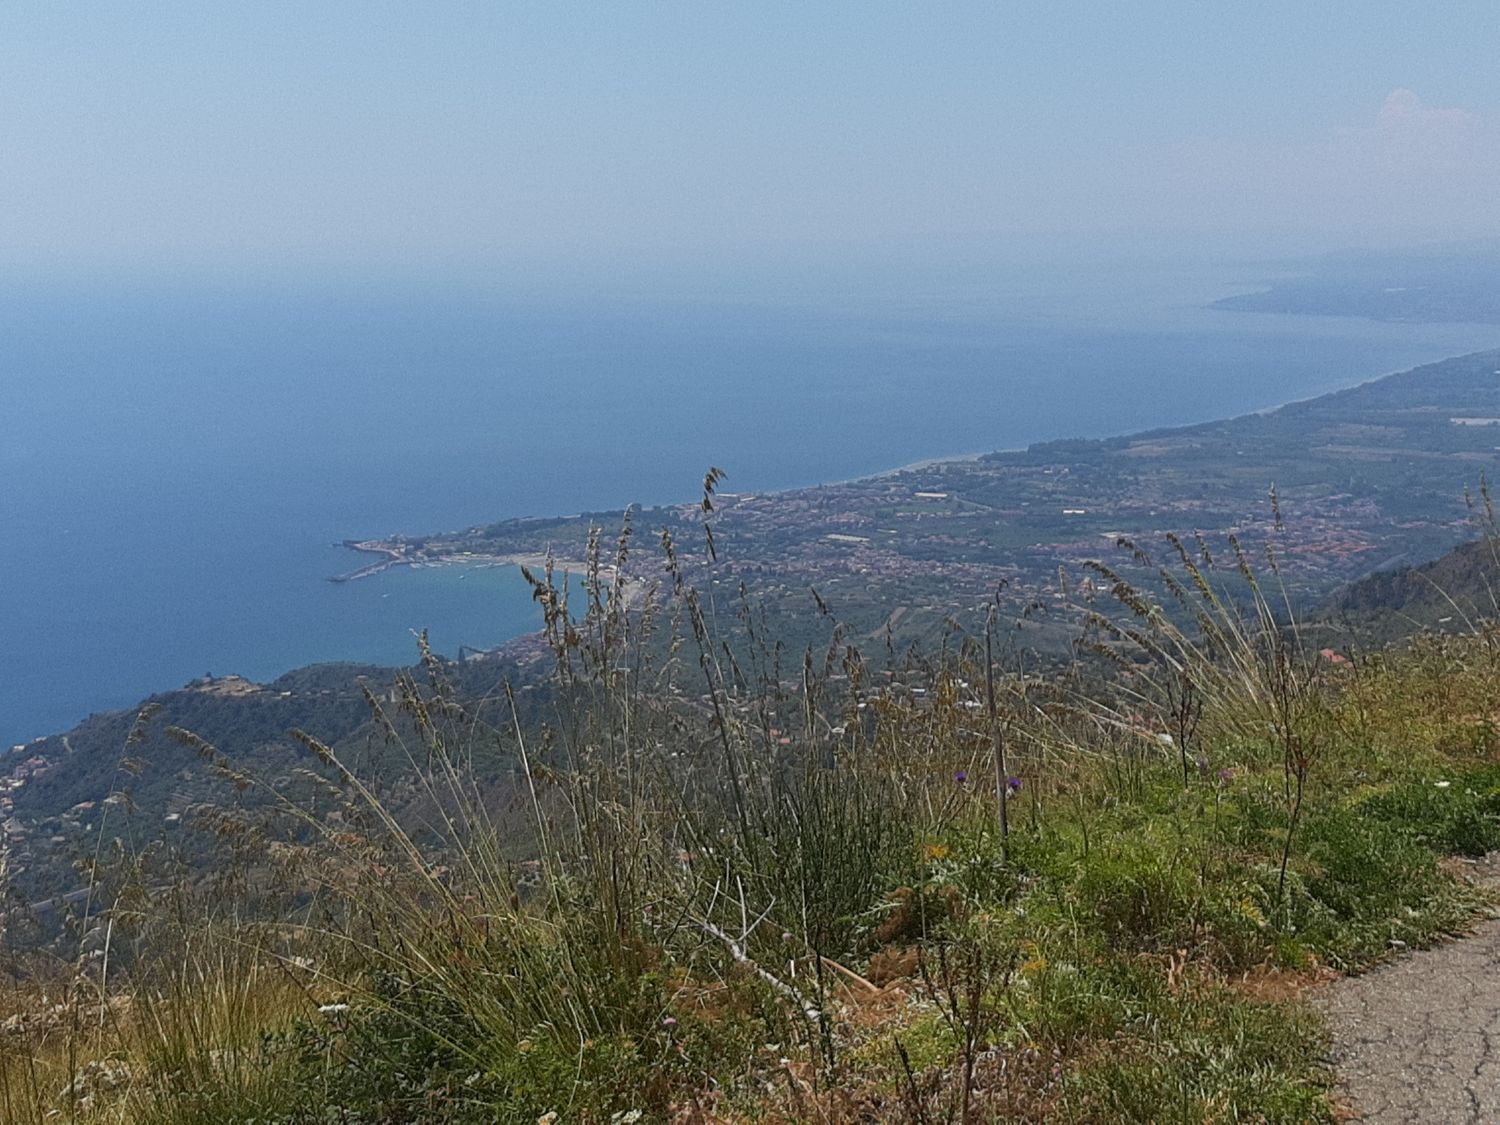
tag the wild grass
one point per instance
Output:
(693, 877)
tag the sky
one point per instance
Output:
(382, 139)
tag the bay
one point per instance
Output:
(178, 462)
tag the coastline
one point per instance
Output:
(536, 560)
(911, 467)
(808, 549)
(394, 557)
(253, 600)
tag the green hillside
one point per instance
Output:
(679, 880)
(1450, 593)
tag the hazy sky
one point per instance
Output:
(320, 135)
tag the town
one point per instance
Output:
(1321, 491)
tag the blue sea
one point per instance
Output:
(177, 462)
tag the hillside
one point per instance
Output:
(715, 847)
(123, 775)
(682, 888)
(1453, 591)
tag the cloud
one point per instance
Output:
(1404, 109)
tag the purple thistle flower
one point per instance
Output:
(961, 776)
(1226, 776)
(1014, 784)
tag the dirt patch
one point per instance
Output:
(1269, 984)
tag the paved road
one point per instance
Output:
(1419, 1039)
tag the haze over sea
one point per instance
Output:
(177, 462)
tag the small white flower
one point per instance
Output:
(1442, 784)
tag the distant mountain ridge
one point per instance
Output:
(1445, 284)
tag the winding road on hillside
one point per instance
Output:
(1418, 1040)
